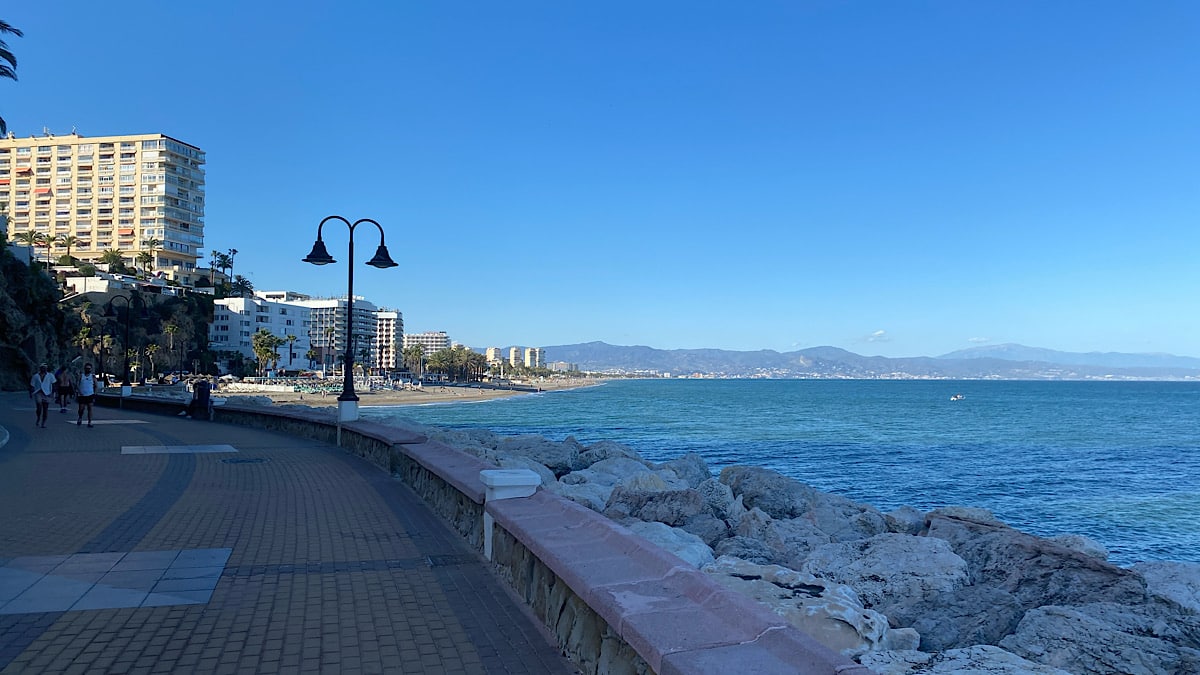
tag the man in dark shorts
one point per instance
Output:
(87, 394)
(66, 387)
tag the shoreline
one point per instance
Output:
(406, 397)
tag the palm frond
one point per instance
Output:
(5, 27)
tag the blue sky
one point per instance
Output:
(893, 178)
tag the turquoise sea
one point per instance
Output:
(1116, 461)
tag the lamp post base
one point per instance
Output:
(347, 410)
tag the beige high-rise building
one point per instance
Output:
(110, 193)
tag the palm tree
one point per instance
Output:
(291, 340)
(151, 350)
(241, 286)
(145, 259)
(232, 253)
(152, 244)
(8, 69)
(30, 239)
(67, 240)
(413, 356)
(113, 258)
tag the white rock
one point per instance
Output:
(684, 544)
(1178, 581)
(890, 565)
(1085, 545)
(830, 613)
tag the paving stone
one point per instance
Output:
(313, 561)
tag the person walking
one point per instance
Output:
(41, 390)
(87, 394)
(58, 377)
(66, 387)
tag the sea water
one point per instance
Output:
(1116, 461)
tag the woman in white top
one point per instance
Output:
(41, 389)
(86, 395)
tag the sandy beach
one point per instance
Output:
(426, 394)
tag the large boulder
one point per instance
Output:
(592, 495)
(561, 458)
(746, 548)
(687, 546)
(1178, 582)
(606, 450)
(608, 472)
(672, 507)
(977, 660)
(890, 566)
(691, 468)
(708, 527)
(540, 469)
(967, 616)
(785, 498)
(830, 613)
(905, 520)
(720, 502)
(1085, 545)
(790, 540)
(1107, 637)
(1035, 571)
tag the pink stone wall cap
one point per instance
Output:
(776, 652)
(456, 468)
(388, 433)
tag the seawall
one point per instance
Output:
(614, 602)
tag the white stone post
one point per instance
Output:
(504, 484)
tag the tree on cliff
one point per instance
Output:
(9, 66)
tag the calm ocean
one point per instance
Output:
(1116, 461)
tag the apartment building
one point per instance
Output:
(493, 355)
(431, 341)
(327, 326)
(515, 355)
(389, 332)
(235, 320)
(535, 357)
(110, 193)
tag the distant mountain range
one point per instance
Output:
(1005, 362)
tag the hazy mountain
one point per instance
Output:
(1014, 352)
(832, 362)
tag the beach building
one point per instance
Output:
(327, 326)
(235, 320)
(493, 355)
(110, 193)
(389, 333)
(535, 357)
(431, 341)
(515, 356)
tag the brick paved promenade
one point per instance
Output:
(204, 547)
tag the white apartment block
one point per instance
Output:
(327, 326)
(535, 357)
(515, 356)
(235, 320)
(389, 332)
(493, 355)
(431, 341)
(110, 193)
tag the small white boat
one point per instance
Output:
(957, 397)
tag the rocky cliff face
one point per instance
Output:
(33, 329)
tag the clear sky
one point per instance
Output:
(893, 178)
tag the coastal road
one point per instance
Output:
(153, 543)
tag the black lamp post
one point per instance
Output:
(112, 312)
(320, 256)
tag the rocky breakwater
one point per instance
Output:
(947, 591)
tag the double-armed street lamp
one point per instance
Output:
(111, 312)
(348, 401)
